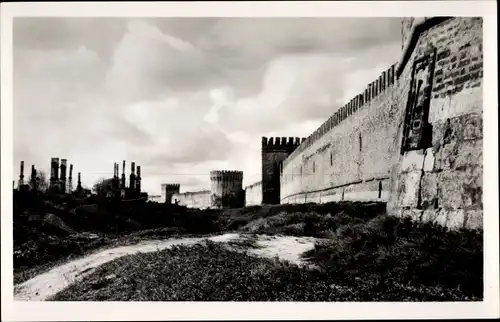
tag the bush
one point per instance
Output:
(389, 251)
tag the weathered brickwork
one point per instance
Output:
(197, 199)
(349, 156)
(253, 194)
(443, 183)
(358, 153)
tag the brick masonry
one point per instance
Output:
(359, 157)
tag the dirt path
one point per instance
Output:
(47, 284)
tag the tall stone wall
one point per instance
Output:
(349, 157)
(440, 179)
(198, 199)
(253, 194)
(274, 152)
(413, 138)
(226, 189)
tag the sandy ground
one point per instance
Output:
(48, 284)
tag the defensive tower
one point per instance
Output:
(168, 190)
(274, 152)
(226, 189)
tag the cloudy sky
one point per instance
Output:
(183, 96)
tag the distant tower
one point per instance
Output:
(54, 172)
(21, 176)
(70, 179)
(116, 180)
(226, 189)
(79, 184)
(132, 176)
(168, 190)
(33, 181)
(274, 152)
(138, 180)
(64, 164)
(122, 185)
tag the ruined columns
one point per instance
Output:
(70, 179)
(132, 176)
(63, 175)
(138, 180)
(21, 176)
(122, 185)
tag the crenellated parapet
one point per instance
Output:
(169, 189)
(385, 81)
(226, 189)
(226, 175)
(174, 187)
(278, 144)
(254, 185)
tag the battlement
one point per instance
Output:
(172, 187)
(226, 175)
(191, 193)
(281, 143)
(253, 185)
(385, 81)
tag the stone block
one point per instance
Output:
(467, 127)
(429, 160)
(445, 157)
(408, 189)
(414, 214)
(450, 189)
(474, 219)
(429, 215)
(412, 161)
(428, 190)
(468, 153)
(441, 218)
(456, 219)
(473, 186)
(439, 129)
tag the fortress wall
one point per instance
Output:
(198, 199)
(442, 180)
(349, 157)
(253, 194)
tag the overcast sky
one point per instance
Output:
(184, 96)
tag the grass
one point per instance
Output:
(212, 272)
(393, 253)
(50, 230)
(369, 256)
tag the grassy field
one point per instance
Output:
(381, 259)
(368, 257)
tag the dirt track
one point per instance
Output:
(47, 284)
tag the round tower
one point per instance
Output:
(168, 190)
(226, 189)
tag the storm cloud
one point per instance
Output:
(183, 96)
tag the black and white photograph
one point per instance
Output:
(250, 158)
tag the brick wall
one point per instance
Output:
(443, 182)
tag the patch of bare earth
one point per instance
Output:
(43, 286)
